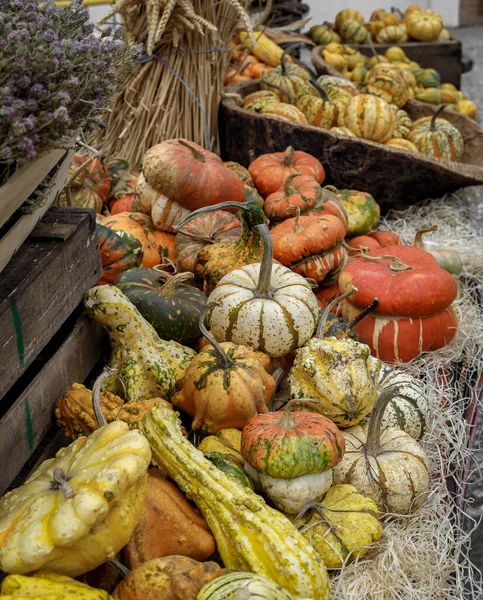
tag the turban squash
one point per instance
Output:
(414, 314)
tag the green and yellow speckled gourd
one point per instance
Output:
(216, 260)
(354, 32)
(250, 536)
(340, 373)
(437, 137)
(148, 366)
(288, 79)
(402, 123)
(370, 118)
(320, 111)
(387, 81)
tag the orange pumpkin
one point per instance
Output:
(125, 203)
(375, 240)
(269, 171)
(300, 191)
(157, 245)
(91, 187)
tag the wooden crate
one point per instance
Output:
(42, 286)
(14, 231)
(445, 57)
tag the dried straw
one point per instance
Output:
(176, 92)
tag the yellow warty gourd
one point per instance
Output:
(48, 586)
(250, 536)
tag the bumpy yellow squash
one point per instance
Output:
(48, 586)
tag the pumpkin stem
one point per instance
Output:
(311, 403)
(418, 239)
(107, 373)
(277, 87)
(119, 568)
(362, 314)
(167, 262)
(311, 506)
(288, 187)
(60, 483)
(296, 227)
(397, 12)
(196, 237)
(283, 59)
(321, 90)
(396, 263)
(319, 332)
(172, 283)
(196, 152)
(224, 360)
(288, 157)
(439, 110)
(373, 442)
(206, 209)
(263, 289)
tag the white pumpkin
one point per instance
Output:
(78, 509)
(164, 212)
(264, 306)
(389, 466)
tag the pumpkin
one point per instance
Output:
(229, 468)
(300, 191)
(323, 34)
(48, 585)
(226, 442)
(424, 25)
(243, 585)
(148, 366)
(342, 131)
(342, 527)
(270, 171)
(118, 253)
(311, 246)
(90, 188)
(449, 260)
(118, 168)
(354, 32)
(468, 108)
(74, 411)
(168, 525)
(320, 112)
(370, 118)
(339, 373)
(77, 509)
(409, 10)
(250, 536)
(437, 137)
(375, 239)
(402, 123)
(202, 231)
(257, 100)
(438, 96)
(346, 14)
(387, 81)
(388, 18)
(362, 210)
(385, 465)
(266, 307)
(170, 577)
(170, 304)
(287, 112)
(429, 78)
(402, 145)
(414, 314)
(393, 34)
(164, 212)
(241, 171)
(123, 204)
(186, 173)
(224, 386)
(287, 79)
(215, 260)
(156, 244)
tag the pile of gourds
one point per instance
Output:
(284, 493)
(383, 27)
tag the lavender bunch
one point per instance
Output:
(55, 76)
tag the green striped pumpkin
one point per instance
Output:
(352, 31)
(243, 585)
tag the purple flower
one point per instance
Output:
(6, 152)
(17, 36)
(62, 97)
(50, 36)
(61, 115)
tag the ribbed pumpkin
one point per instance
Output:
(394, 34)
(91, 186)
(164, 212)
(123, 204)
(256, 100)
(243, 585)
(287, 112)
(437, 137)
(241, 171)
(362, 210)
(323, 34)
(311, 246)
(171, 304)
(269, 171)
(118, 253)
(424, 25)
(188, 174)
(387, 465)
(339, 373)
(346, 14)
(224, 386)
(354, 32)
(320, 112)
(402, 145)
(370, 118)
(202, 231)
(157, 245)
(402, 123)
(286, 81)
(387, 81)
(268, 308)
(414, 314)
(300, 191)
(375, 240)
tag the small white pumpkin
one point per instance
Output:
(389, 466)
(264, 306)
(164, 212)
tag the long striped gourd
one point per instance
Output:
(250, 535)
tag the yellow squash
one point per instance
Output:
(45, 585)
(265, 50)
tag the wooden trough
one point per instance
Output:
(395, 177)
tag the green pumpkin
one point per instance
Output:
(238, 585)
(117, 168)
(429, 79)
(363, 211)
(170, 304)
(223, 462)
(118, 253)
(324, 34)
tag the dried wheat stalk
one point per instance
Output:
(155, 103)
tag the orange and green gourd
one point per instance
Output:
(437, 137)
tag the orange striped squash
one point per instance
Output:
(387, 81)
(370, 118)
(437, 137)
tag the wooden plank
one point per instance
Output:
(25, 424)
(42, 286)
(22, 183)
(12, 240)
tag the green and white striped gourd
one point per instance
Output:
(148, 366)
(243, 585)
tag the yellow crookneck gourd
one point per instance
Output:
(48, 586)
(338, 372)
